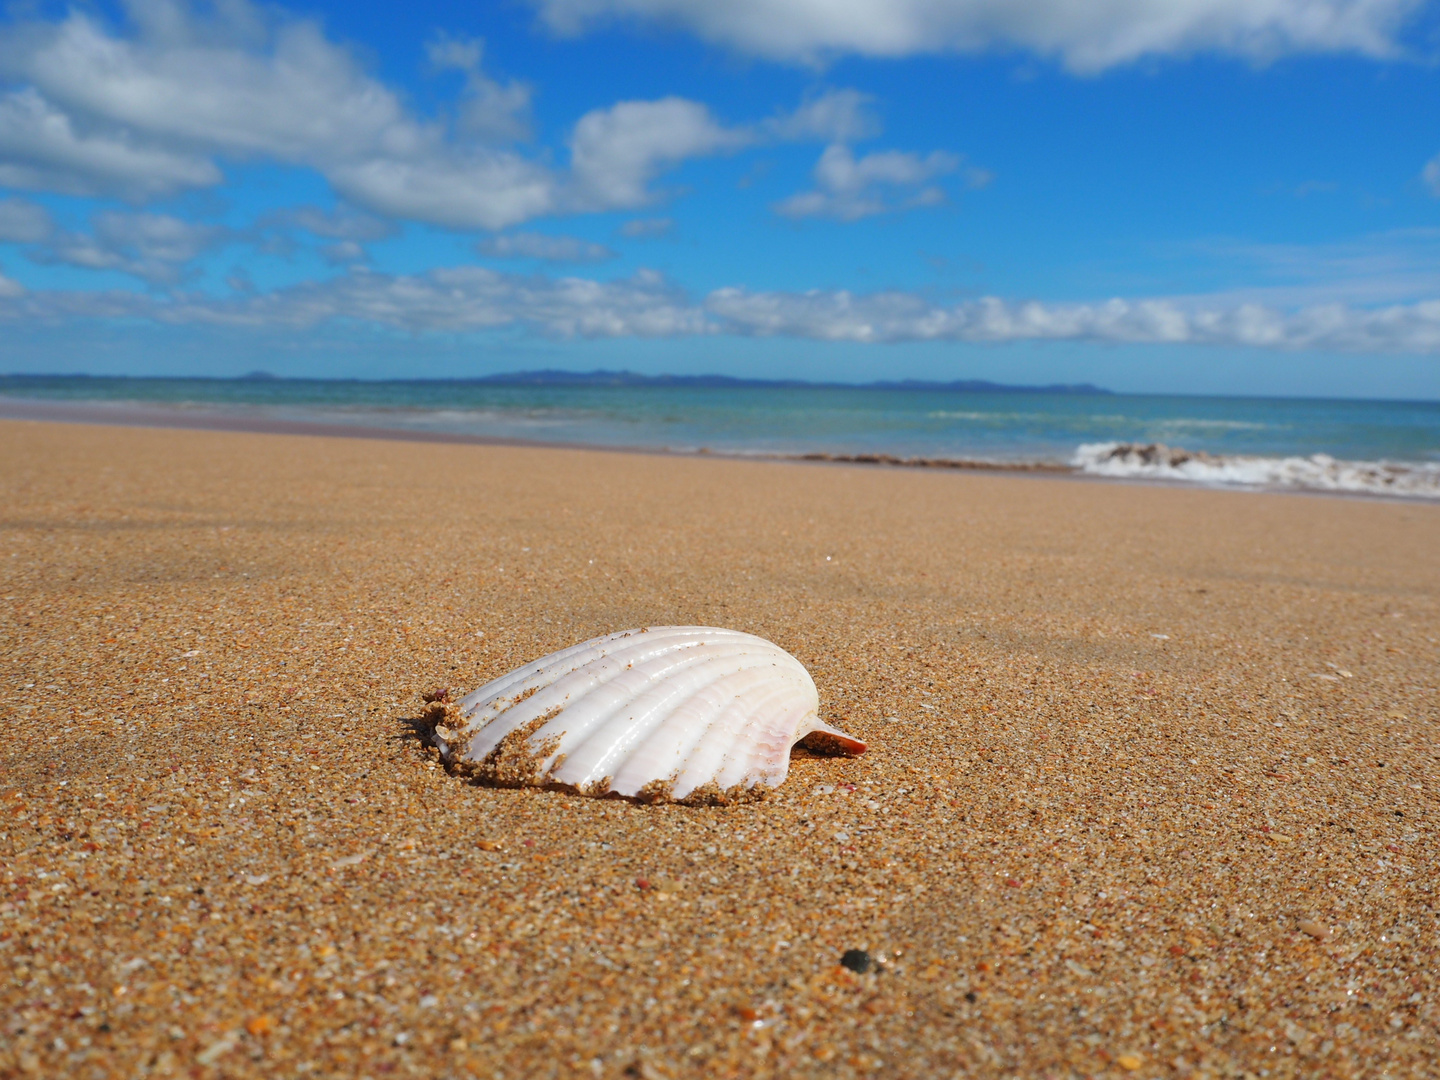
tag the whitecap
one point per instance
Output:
(1318, 472)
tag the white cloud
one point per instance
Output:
(161, 237)
(41, 150)
(489, 109)
(849, 188)
(540, 246)
(84, 251)
(834, 116)
(341, 223)
(897, 317)
(463, 299)
(156, 106)
(160, 105)
(468, 299)
(485, 189)
(615, 153)
(24, 222)
(347, 229)
(10, 289)
(294, 97)
(152, 247)
(1086, 35)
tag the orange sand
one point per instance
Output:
(1152, 787)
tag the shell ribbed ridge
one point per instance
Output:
(661, 711)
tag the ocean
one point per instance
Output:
(1376, 447)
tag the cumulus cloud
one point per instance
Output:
(850, 188)
(152, 247)
(341, 223)
(489, 109)
(570, 249)
(482, 189)
(1085, 35)
(898, 316)
(615, 153)
(469, 299)
(833, 116)
(24, 222)
(41, 150)
(294, 96)
(347, 229)
(160, 103)
(163, 103)
(463, 299)
(160, 237)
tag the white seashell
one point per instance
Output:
(683, 713)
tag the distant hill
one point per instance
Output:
(586, 378)
(631, 378)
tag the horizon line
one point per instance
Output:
(624, 378)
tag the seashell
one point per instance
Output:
(685, 713)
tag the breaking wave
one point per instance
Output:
(1318, 472)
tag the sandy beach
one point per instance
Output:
(1151, 790)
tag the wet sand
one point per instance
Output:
(1151, 792)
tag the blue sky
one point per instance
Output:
(1216, 196)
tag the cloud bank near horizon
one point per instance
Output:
(467, 300)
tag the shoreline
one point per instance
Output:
(130, 415)
(124, 414)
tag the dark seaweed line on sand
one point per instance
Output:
(936, 463)
(127, 415)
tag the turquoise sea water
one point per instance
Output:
(1340, 445)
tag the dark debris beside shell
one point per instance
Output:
(858, 961)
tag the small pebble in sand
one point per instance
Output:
(1315, 929)
(858, 961)
(216, 1050)
(259, 1025)
(1130, 1062)
(490, 845)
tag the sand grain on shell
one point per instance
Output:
(1110, 822)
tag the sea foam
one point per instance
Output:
(1318, 472)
